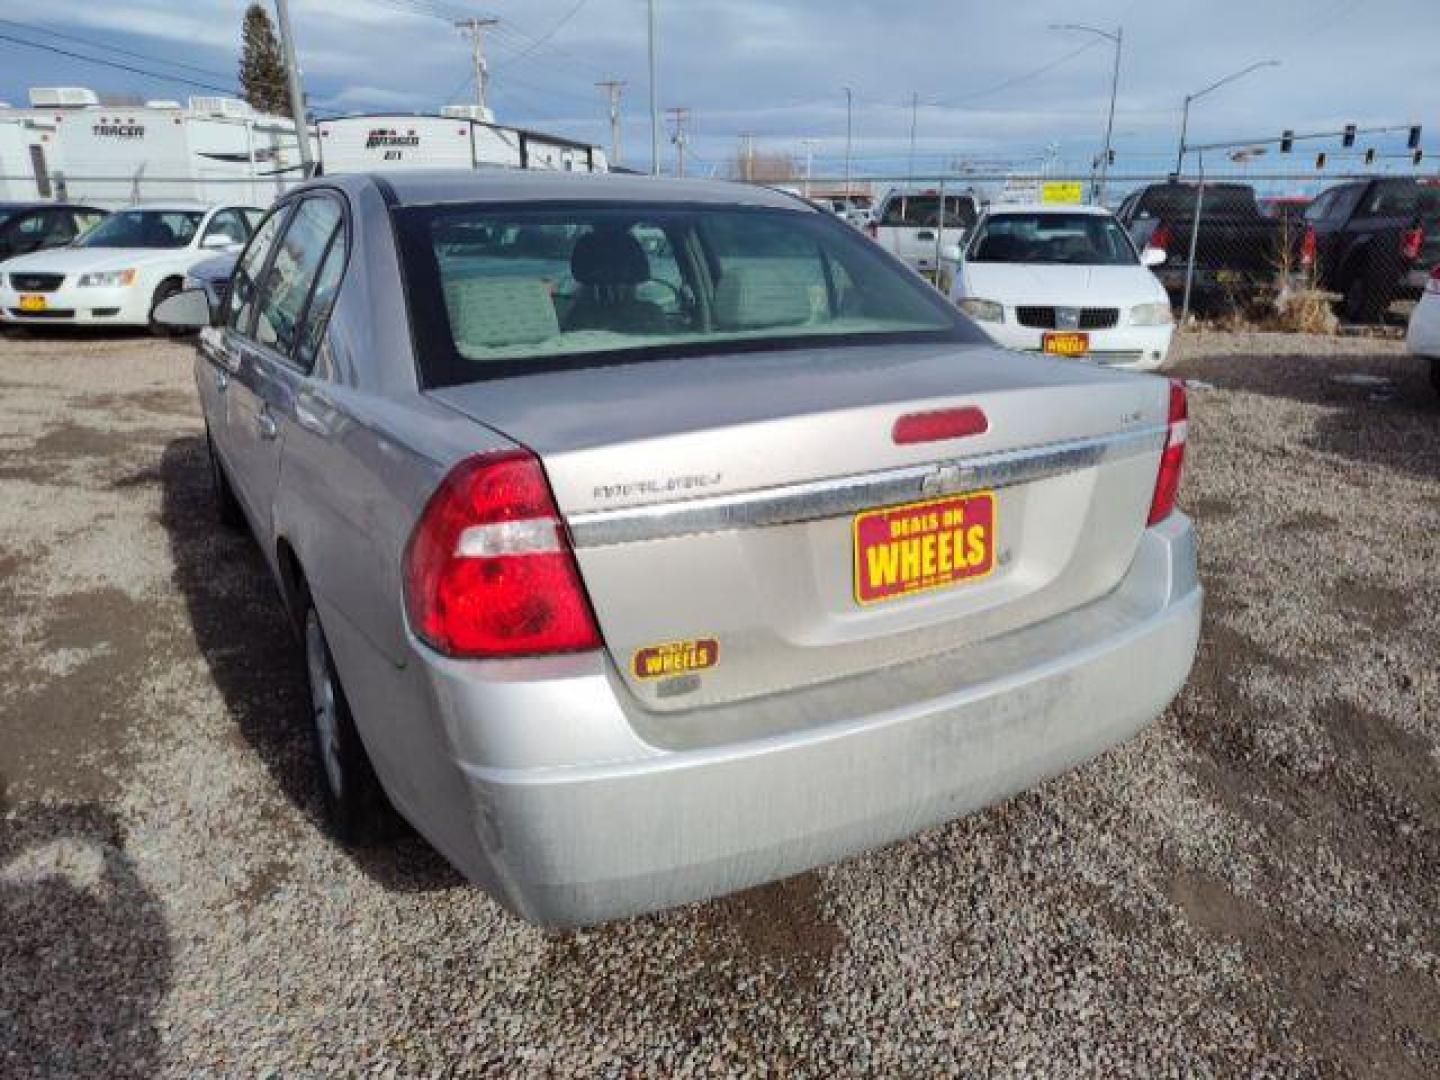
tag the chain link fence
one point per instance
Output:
(1285, 251)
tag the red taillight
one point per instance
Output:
(1308, 246)
(489, 571)
(940, 424)
(1411, 241)
(1172, 459)
(1160, 238)
(1433, 285)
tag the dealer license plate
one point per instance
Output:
(917, 547)
(32, 303)
(1066, 343)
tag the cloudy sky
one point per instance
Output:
(994, 82)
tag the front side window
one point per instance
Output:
(1065, 239)
(245, 281)
(144, 229)
(497, 291)
(292, 273)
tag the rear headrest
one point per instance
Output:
(609, 257)
(756, 296)
(490, 311)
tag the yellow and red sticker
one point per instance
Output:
(675, 658)
(902, 550)
(1065, 343)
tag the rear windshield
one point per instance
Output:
(1402, 198)
(1068, 239)
(922, 211)
(143, 229)
(1178, 200)
(497, 291)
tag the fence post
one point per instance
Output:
(1194, 238)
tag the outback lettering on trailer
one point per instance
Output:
(391, 141)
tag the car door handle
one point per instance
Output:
(266, 425)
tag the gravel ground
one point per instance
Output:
(1248, 887)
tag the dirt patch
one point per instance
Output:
(1208, 509)
(1308, 521)
(162, 402)
(263, 884)
(73, 441)
(782, 924)
(1382, 608)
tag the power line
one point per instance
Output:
(1026, 76)
(104, 47)
(539, 42)
(116, 64)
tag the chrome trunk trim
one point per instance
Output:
(817, 499)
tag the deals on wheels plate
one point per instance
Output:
(903, 550)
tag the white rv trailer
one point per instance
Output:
(212, 149)
(456, 139)
(29, 154)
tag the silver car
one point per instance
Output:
(648, 540)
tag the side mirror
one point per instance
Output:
(187, 310)
(1153, 256)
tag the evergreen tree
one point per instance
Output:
(262, 67)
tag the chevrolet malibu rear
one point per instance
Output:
(660, 539)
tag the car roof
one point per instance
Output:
(184, 206)
(429, 186)
(996, 209)
(8, 207)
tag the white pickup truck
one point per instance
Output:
(908, 225)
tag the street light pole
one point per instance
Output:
(1118, 40)
(654, 101)
(849, 130)
(1185, 113)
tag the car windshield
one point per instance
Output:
(143, 229)
(501, 291)
(1067, 239)
(1178, 200)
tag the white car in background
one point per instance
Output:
(117, 272)
(1065, 280)
(1423, 336)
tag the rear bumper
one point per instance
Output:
(575, 820)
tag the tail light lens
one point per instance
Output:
(1160, 238)
(1307, 248)
(1411, 241)
(489, 571)
(1433, 285)
(1172, 459)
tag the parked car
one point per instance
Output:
(117, 272)
(1423, 335)
(699, 548)
(908, 225)
(1064, 280)
(1372, 242)
(33, 226)
(1237, 248)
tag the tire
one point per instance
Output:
(1362, 304)
(227, 506)
(166, 289)
(354, 803)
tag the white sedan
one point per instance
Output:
(1423, 337)
(1064, 280)
(117, 272)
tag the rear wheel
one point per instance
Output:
(354, 802)
(227, 506)
(1362, 301)
(166, 289)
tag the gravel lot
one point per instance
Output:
(1251, 885)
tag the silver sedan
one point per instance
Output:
(649, 540)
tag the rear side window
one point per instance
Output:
(292, 273)
(322, 300)
(498, 291)
(245, 281)
(1392, 199)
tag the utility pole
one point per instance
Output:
(1118, 40)
(914, 116)
(1185, 113)
(849, 132)
(747, 165)
(654, 101)
(474, 29)
(680, 116)
(613, 87)
(809, 145)
(297, 88)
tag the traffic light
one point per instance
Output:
(1320, 160)
(1413, 143)
(1287, 141)
(1416, 156)
(1370, 155)
(1110, 157)
(1349, 137)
